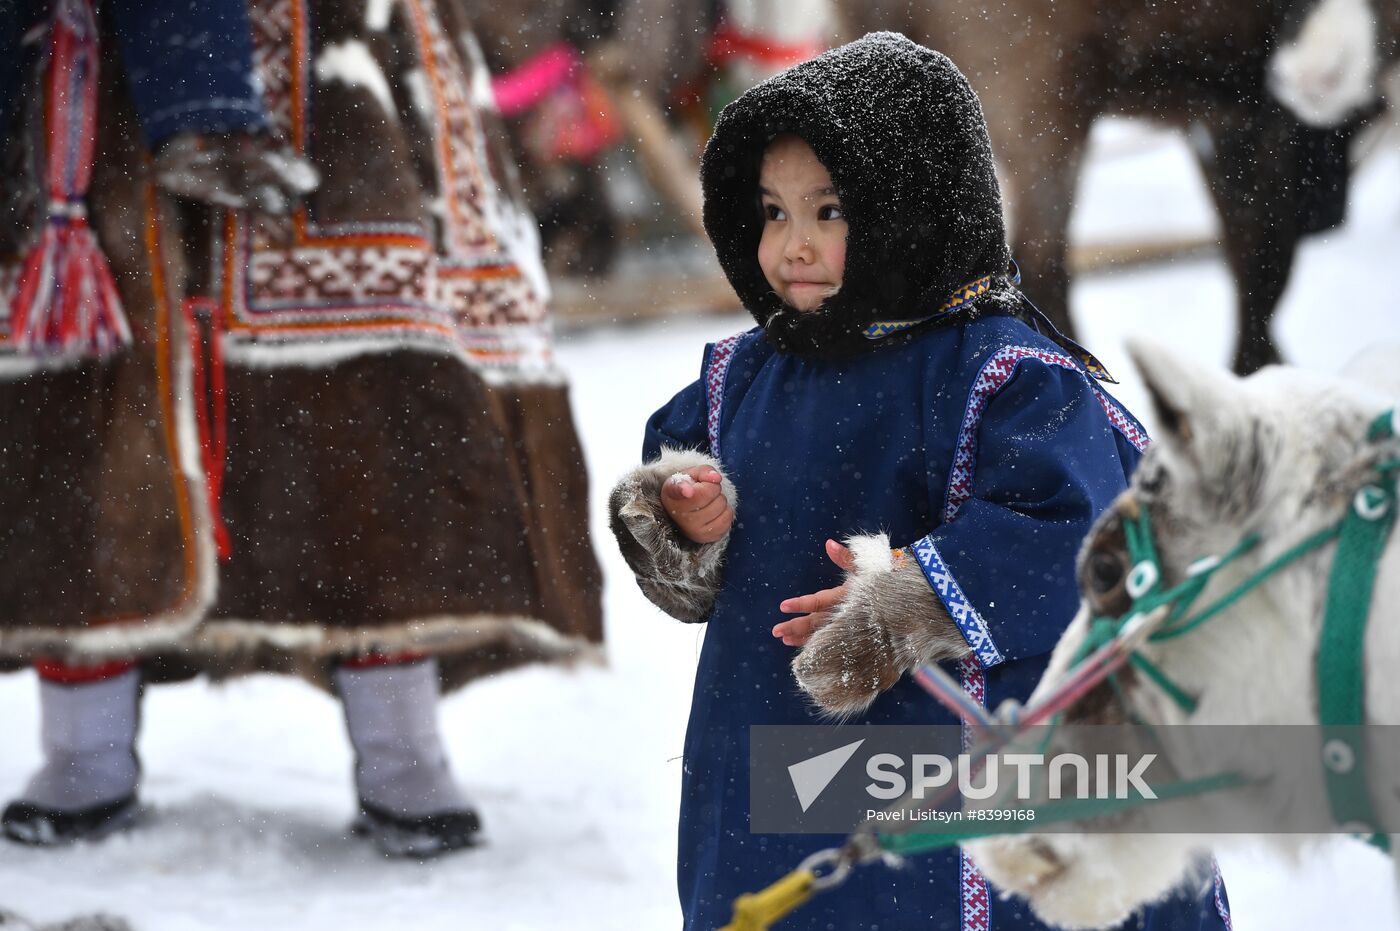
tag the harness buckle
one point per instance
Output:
(1371, 502)
(1141, 580)
(836, 859)
(1338, 756)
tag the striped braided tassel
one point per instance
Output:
(65, 301)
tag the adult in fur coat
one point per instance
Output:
(330, 441)
(196, 97)
(914, 406)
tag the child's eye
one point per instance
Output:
(773, 212)
(830, 212)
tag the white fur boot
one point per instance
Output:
(409, 803)
(87, 785)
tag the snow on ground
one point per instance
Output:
(576, 772)
(1174, 207)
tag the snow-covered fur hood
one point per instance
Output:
(902, 134)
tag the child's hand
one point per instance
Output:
(815, 608)
(694, 501)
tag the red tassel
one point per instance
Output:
(65, 301)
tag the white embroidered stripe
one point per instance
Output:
(1222, 908)
(1122, 421)
(995, 373)
(715, 373)
(960, 608)
(974, 894)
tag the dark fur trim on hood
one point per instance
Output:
(902, 134)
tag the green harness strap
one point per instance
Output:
(1340, 664)
(1059, 812)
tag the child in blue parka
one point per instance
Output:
(893, 393)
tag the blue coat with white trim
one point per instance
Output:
(986, 449)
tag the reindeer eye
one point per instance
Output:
(1106, 572)
(1103, 568)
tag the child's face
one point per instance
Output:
(803, 248)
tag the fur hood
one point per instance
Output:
(902, 134)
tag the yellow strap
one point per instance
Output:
(755, 911)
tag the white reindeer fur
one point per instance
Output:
(1330, 68)
(1252, 664)
(871, 553)
(354, 65)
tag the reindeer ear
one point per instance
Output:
(1187, 398)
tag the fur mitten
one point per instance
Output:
(678, 575)
(890, 622)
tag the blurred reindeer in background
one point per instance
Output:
(1045, 73)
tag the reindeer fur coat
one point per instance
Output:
(972, 441)
(390, 500)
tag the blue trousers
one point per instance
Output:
(189, 63)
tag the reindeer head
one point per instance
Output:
(1276, 456)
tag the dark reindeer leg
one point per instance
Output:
(1039, 113)
(1042, 78)
(1041, 181)
(1254, 186)
(1041, 160)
